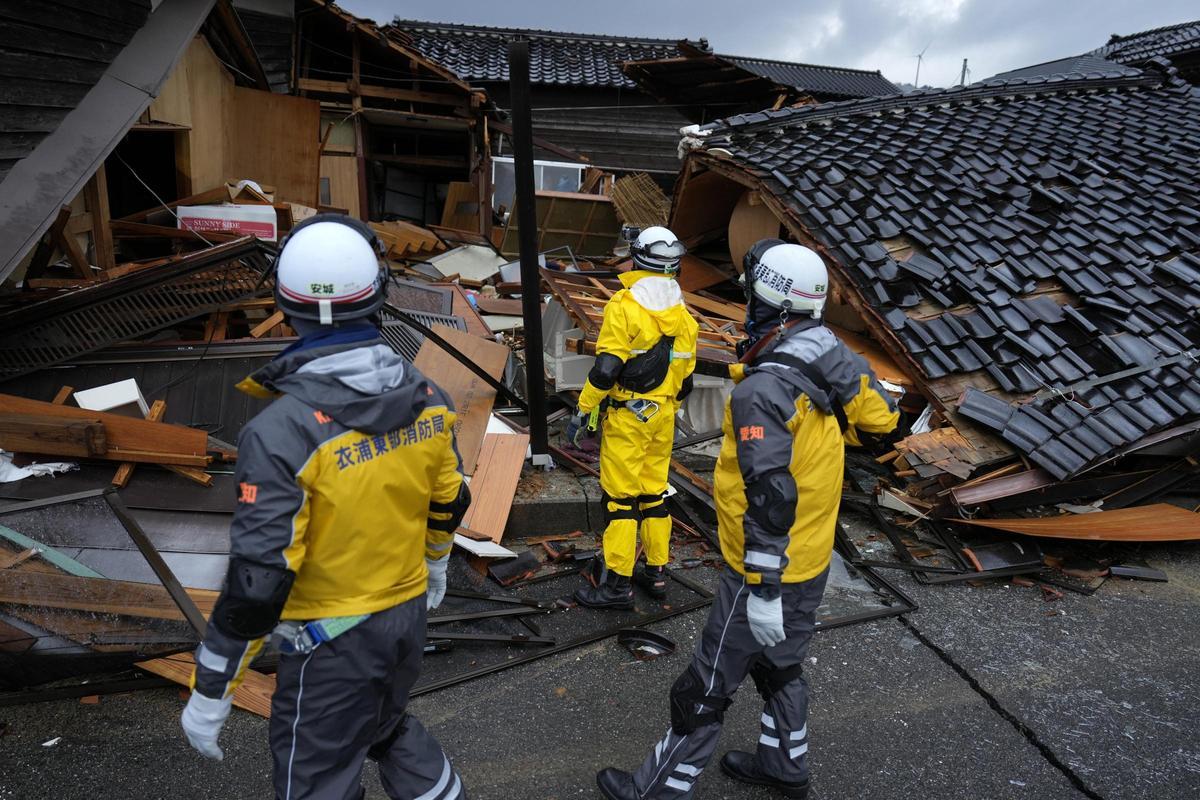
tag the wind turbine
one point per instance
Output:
(920, 57)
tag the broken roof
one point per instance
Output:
(1035, 242)
(574, 59)
(1169, 41)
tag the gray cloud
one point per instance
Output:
(870, 34)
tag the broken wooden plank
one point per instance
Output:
(270, 322)
(1160, 522)
(13, 559)
(253, 695)
(128, 438)
(495, 483)
(42, 434)
(97, 595)
(472, 397)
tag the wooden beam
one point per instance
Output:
(141, 230)
(63, 395)
(129, 438)
(96, 194)
(70, 247)
(386, 92)
(253, 694)
(448, 162)
(270, 322)
(125, 471)
(52, 436)
(558, 150)
(97, 595)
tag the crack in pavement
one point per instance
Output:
(1012, 719)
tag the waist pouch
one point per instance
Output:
(647, 371)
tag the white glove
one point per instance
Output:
(766, 620)
(202, 721)
(437, 581)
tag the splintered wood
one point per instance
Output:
(584, 298)
(944, 450)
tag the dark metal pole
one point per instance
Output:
(531, 306)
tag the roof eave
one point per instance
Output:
(37, 186)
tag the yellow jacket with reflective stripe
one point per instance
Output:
(336, 479)
(774, 423)
(635, 318)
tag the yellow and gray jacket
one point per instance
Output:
(778, 480)
(346, 484)
(647, 314)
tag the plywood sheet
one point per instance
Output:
(472, 397)
(495, 483)
(461, 211)
(274, 139)
(750, 222)
(254, 695)
(1160, 522)
(342, 172)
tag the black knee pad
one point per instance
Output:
(687, 693)
(653, 512)
(769, 679)
(620, 513)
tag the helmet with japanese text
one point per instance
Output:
(330, 269)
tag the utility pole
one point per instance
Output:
(527, 239)
(962, 81)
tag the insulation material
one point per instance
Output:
(471, 262)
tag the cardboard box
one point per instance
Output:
(259, 220)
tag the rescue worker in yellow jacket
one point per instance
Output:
(801, 395)
(645, 356)
(349, 492)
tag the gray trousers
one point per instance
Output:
(346, 701)
(727, 652)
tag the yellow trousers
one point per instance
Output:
(635, 459)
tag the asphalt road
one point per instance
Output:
(986, 692)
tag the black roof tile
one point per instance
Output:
(1008, 188)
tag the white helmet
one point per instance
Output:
(329, 270)
(658, 250)
(786, 276)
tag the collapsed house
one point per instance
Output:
(1026, 252)
(1017, 260)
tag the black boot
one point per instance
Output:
(616, 784)
(743, 766)
(614, 591)
(652, 579)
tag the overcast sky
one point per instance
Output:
(995, 35)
